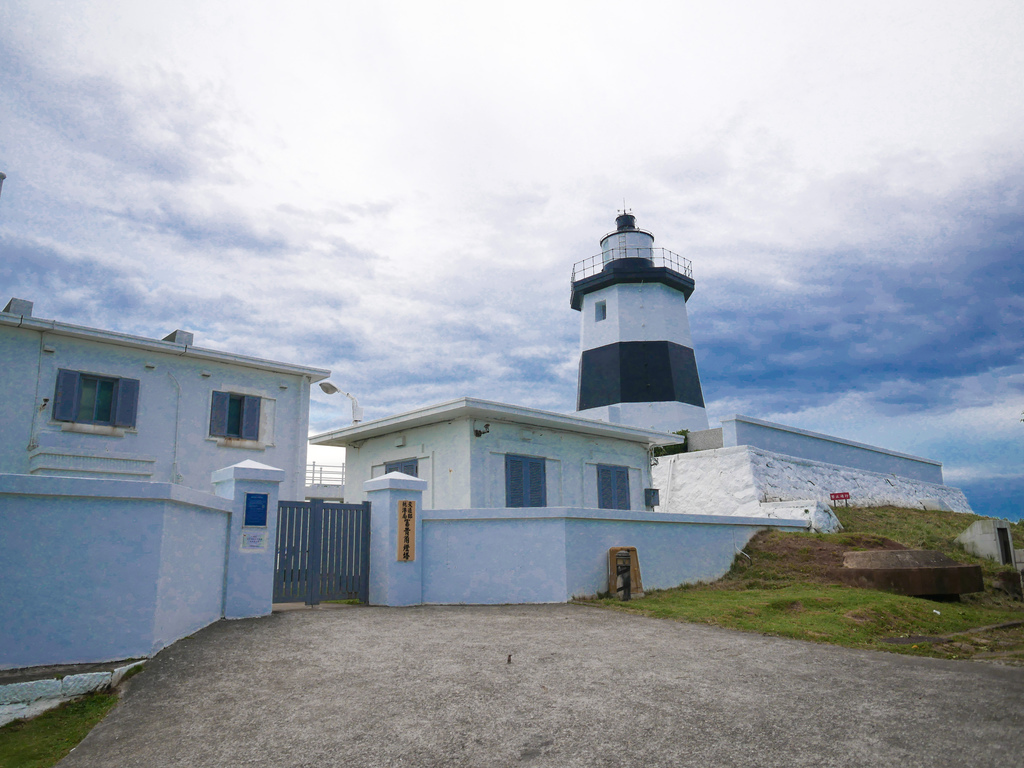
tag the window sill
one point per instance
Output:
(236, 442)
(92, 429)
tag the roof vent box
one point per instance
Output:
(180, 337)
(19, 307)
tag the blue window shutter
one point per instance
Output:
(65, 396)
(612, 487)
(514, 481)
(126, 403)
(605, 491)
(251, 418)
(537, 484)
(621, 488)
(219, 414)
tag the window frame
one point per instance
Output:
(531, 489)
(68, 392)
(613, 487)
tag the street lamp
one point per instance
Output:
(330, 389)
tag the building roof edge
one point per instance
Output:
(165, 347)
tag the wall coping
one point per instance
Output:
(619, 515)
(827, 438)
(395, 481)
(249, 470)
(101, 488)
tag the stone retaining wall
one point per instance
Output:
(739, 480)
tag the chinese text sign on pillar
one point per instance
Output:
(406, 531)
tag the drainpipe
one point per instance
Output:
(37, 407)
(175, 477)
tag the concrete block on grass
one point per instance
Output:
(17, 693)
(118, 674)
(76, 685)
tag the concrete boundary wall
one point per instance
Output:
(540, 555)
(551, 555)
(748, 481)
(97, 570)
(801, 443)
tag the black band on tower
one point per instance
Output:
(638, 372)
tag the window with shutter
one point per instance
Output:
(88, 398)
(612, 487)
(405, 466)
(235, 416)
(525, 482)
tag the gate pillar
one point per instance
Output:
(252, 530)
(396, 575)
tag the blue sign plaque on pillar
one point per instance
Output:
(255, 510)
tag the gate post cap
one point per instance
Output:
(395, 481)
(249, 470)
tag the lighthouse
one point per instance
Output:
(637, 365)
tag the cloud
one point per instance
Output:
(940, 300)
(350, 194)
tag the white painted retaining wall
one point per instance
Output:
(749, 482)
(791, 441)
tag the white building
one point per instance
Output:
(477, 454)
(82, 402)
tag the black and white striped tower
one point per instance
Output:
(637, 365)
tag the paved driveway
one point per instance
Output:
(432, 686)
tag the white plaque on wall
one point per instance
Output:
(254, 540)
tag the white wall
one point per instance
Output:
(740, 480)
(465, 471)
(551, 555)
(570, 464)
(170, 442)
(442, 451)
(103, 570)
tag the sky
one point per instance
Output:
(397, 191)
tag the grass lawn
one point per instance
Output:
(44, 740)
(788, 588)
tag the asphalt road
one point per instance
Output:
(432, 686)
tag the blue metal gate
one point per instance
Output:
(323, 552)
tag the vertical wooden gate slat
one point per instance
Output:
(329, 569)
(337, 542)
(343, 561)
